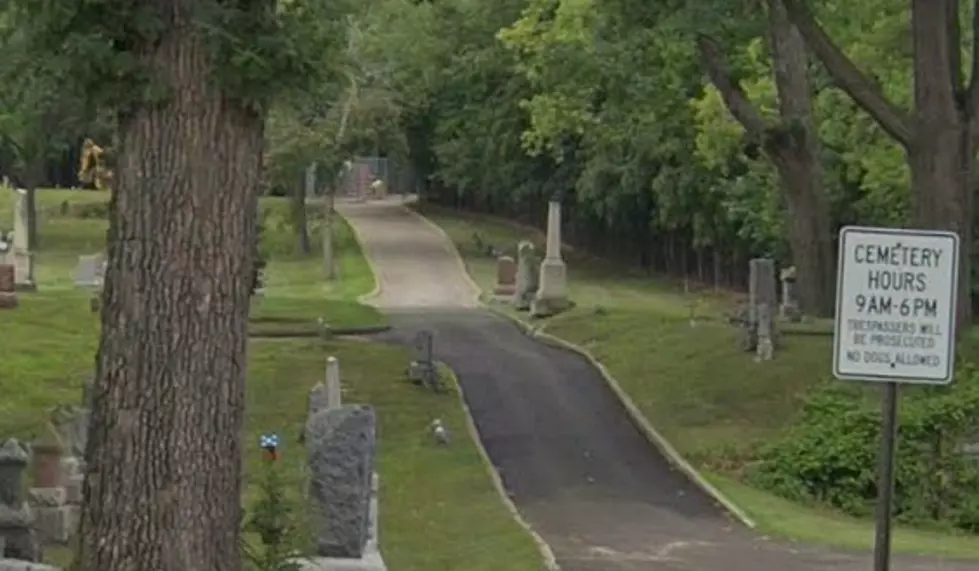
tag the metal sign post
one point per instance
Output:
(895, 323)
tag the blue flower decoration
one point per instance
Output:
(269, 441)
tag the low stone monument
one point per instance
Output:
(17, 534)
(766, 345)
(552, 290)
(423, 370)
(789, 309)
(506, 276)
(55, 519)
(8, 293)
(340, 446)
(761, 291)
(90, 274)
(90, 271)
(528, 273)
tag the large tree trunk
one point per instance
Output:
(799, 165)
(939, 136)
(164, 455)
(942, 150)
(793, 146)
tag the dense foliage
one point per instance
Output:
(830, 455)
(682, 138)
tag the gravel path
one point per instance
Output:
(601, 496)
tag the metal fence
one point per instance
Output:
(360, 177)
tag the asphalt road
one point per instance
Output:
(589, 483)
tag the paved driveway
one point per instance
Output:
(579, 471)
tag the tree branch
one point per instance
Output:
(735, 99)
(858, 86)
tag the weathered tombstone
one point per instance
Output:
(48, 498)
(71, 424)
(506, 276)
(90, 271)
(552, 290)
(340, 446)
(766, 346)
(90, 274)
(528, 274)
(761, 290)
(423, 370)
(16, 521)
(23, 258)
(790, 303)
(8, 293)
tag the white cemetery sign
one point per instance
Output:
(895, 305)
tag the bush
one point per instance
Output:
(830, 455)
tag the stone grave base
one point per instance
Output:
(25, 287)
(54, 518)
(505, 290)
(546, 307)
(8, 301)
(552, 293)
(371, 561)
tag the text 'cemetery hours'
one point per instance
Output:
(896, 305)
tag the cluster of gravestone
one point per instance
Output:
(535, 285)
(47, 514)
(340, 443)
(757, 321)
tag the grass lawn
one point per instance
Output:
(439, 509)
(711, 400)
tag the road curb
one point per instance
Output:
(635, 415)
(550, 561)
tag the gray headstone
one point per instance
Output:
(71, 424)
(761, 286)
(766, 345)
(423, 347)
(13, 462)
(340, 450)
(90, 272)
(528, 275)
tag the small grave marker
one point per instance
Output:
(423, 370)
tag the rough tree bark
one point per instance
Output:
(939, 136)
(794, 147)
(164, 453)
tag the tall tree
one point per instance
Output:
(793, 145)
(189, 82)
(939, 135)
(164, 453)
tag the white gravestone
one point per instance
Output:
(90, 272)
(23, 258)
(895, 305)
(333, 390)
(552, 291)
